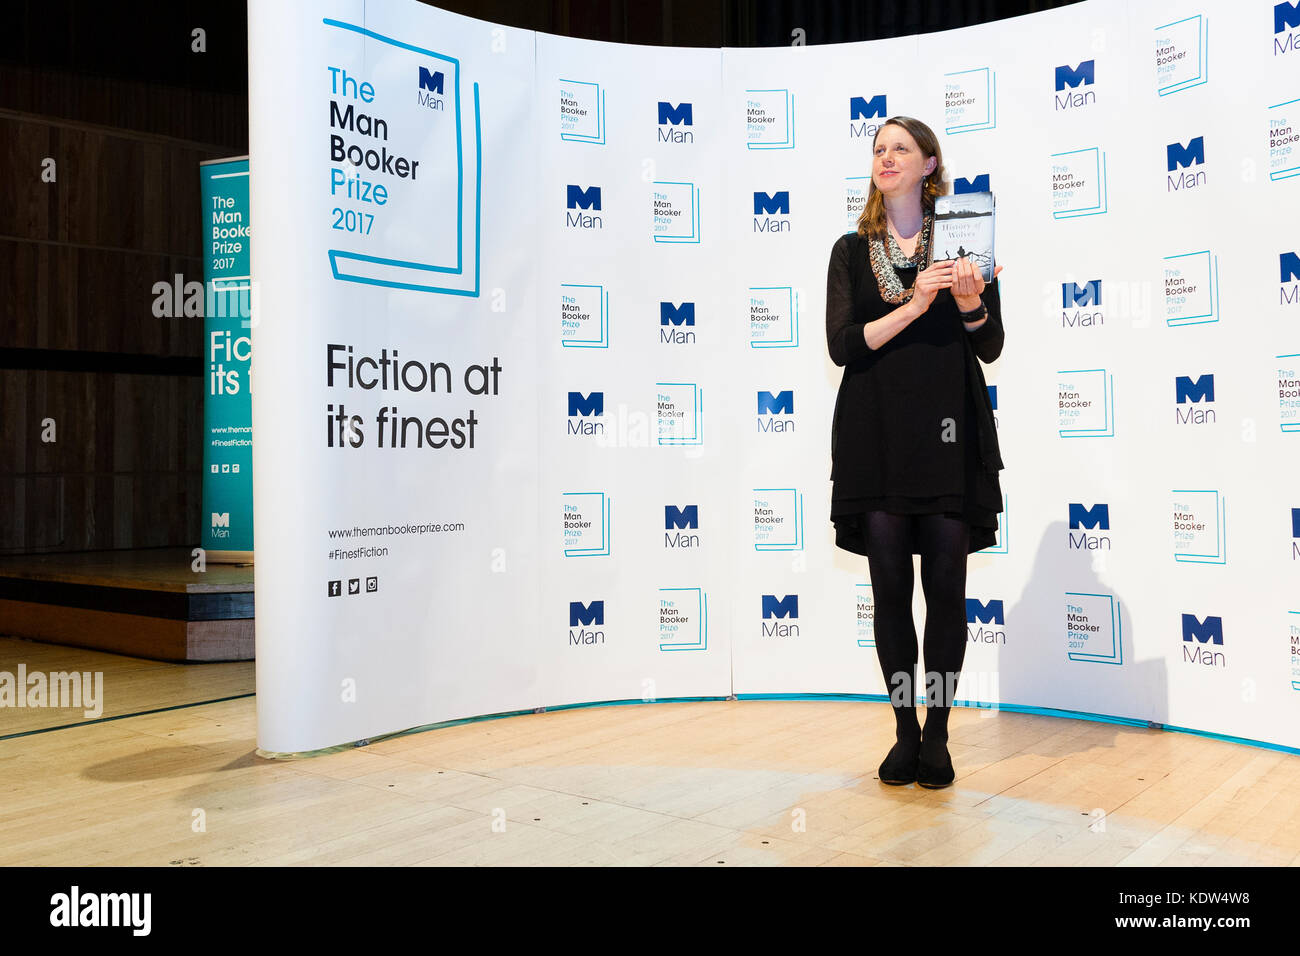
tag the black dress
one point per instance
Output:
(912, 431)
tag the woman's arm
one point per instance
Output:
(988, 336)
(846, 339)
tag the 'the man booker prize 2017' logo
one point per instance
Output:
(397, 148)
(1288, 391)
(1079, 183)
(674, 212)
(678, 523)
(1084, 403)
(778, 519)
(1181, 57)
(679, 413)
(1072, 85)
(1081, 305)
(584, 316)
(1092, 628)
(683, 619)
(1084, 519)
(588, 526)
(780, 616)
(864, 615)
(586, 623)
(1283, 140)
(769, 119)
(773, 317)
(673, 123)
(1181, 164)
(1201, 640)
(970, 100)
(1191, 288)
(1200, 526)
(582, 112)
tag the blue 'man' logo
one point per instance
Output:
(670, 314)
(593, 404)
(588, 198)
(593, 613)
(1180, 156)
(993, 396)
(1097, 517)
(1290, 263)
(1209, 631)
(1286, 16)
(978, 613)
(1073, 295)
(777, 204)
(431, 81)
(681, 518)
(862, 108)
(1295, 522)
(680, 115)
(1186, 390)
(980, 184)
(788, 606)
(782, 403)
(1085, 73)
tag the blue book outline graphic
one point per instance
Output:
(701, 643)
(1116, 655)
(1220, 555)
(424, 277)
(793, 311)
(990, 120)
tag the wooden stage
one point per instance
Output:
(146, 603)
(727, 783)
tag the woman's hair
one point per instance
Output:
(872, 221)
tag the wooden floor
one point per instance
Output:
(131, 684)
(738, 783)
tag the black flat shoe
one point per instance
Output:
(899, 766)
(935, 777)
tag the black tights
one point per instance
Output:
(942, 543)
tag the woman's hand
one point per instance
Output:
(928, 283)
(967, 284)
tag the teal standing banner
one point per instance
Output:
(227, 515)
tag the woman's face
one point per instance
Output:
(899, 167)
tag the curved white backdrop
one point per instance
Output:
(606, 265)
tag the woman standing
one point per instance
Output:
(914, 449)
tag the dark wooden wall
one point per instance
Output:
(117, 97)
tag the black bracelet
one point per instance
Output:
(973, 314)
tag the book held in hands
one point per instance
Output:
(963, 226)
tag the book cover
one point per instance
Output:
(963, 226)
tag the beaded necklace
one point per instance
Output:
(887, 257)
